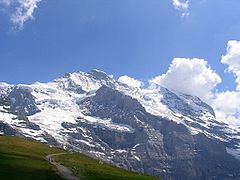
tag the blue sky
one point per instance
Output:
(180, 44)
(134, 37)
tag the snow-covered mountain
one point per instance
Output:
(153, 130)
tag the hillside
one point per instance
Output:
(24, 160)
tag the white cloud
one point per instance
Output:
(228, 101)
(233, 120)
(232, 59)
(24, 12)
(227, 104)
(182, 5)
(20, 11)
(195, 77)
(130, 81)
(190, 76)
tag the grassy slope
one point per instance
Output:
(24, 160)
(90, 169)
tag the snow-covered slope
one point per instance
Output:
(94, 113)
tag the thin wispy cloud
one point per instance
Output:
(20, 11)
(5, 2)
(24, 12)
(181, 5)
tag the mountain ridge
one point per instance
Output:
(152, 130)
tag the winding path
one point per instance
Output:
(62, 170)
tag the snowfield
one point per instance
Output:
(58, 103)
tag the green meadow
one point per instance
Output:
(22, 159)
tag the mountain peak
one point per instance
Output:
(95, 73)
(136, 127)
(88, 81)
(99, 74)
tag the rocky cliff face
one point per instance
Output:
(156, 131)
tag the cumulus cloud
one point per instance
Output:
(228, 101)
(20, 11)
(227, 104)
(233, 120)
(130, 81)
(190, 76)
(182, 5)
(232, 60)
(196, 77)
